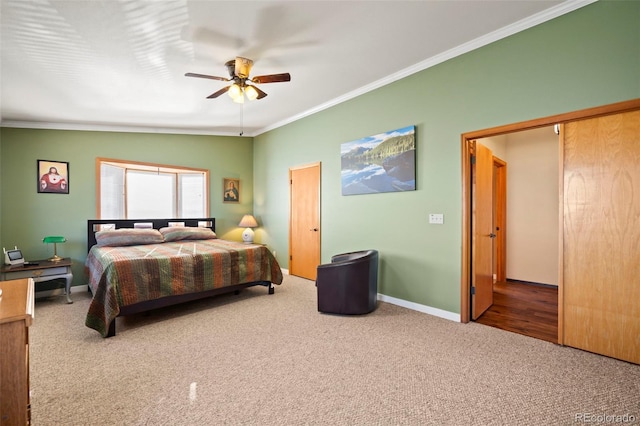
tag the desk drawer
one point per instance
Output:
(36, 273)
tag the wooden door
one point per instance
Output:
(482, 231)
(601, 267)
(304, 221)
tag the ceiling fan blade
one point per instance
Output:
(271, 78)
(212, 77)
(219, 92)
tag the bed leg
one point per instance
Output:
(112, 328)
(271, 288)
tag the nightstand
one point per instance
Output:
(40, 271)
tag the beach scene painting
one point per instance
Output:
(380, 163)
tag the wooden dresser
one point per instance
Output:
(16, 314)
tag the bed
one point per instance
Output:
(138, 265)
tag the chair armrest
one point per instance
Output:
(353, 256)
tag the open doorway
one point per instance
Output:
(517, 288)
(589, 247)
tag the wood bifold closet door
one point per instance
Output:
(601, 235)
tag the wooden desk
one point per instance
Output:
(16, 314)
(41, 270)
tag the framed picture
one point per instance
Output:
(53, 177)
(380, 163)
(231, 190)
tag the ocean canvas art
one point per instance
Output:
(380, 163)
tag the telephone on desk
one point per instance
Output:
(14, 258)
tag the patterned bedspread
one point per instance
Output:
(122, 276)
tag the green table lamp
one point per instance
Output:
(54, 240)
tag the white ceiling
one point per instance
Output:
(120, 64)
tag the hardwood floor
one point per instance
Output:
(524, 308)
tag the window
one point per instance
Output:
(132, 190)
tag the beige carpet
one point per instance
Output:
(259, 359)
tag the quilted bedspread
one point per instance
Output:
(122, 276)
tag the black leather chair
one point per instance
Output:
(349, 284)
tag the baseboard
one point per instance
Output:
(60, 291)
(451, 316)
(420, 308)
(511, 280)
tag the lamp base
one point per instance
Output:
(247, 236)
(54, 240)
(55, 257)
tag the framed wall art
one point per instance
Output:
(231, 190)
(380, 163)
(53, 177)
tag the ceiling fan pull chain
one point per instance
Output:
(241, 119)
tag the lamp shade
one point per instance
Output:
(234, 91)
(248, 221)
(251, 92)
(239, 99)
(54, 239)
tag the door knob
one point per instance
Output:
(492, 235)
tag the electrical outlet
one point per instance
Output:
(436, 218)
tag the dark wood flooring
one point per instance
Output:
(524, 308)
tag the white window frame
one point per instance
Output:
(127, 165)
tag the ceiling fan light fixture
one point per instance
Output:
(239, 70)
(239, 99)
(243, 67)
(235, 91)
(251, 92)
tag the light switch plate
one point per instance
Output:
(436, 218)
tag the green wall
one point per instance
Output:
(27, 216)
(587, 58)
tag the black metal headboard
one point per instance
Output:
(94, 225)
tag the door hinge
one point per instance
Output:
(473, 159)
(473, 290)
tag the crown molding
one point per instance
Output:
(107, 128)
(516, 27)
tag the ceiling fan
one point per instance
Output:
(239, 69)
